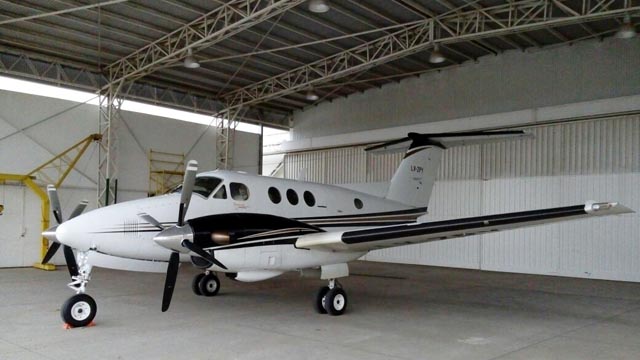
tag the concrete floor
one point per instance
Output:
(395, 312)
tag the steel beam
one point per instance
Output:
(80, 77)
(225, 21)
(60, 12)
(513, 17)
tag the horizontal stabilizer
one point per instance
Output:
(446, 140)
(390, 236)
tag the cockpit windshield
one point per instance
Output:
(204, 185)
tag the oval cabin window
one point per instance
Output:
(309, 199)
(274, 195)
(358, 203)
(292, 196)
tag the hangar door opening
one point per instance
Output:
(564, 164)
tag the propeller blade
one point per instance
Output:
(187, 189)
(202, 253)
(55, 203)
(52, 251)
(72, 265)
(79, 209)
(151, 220)
(170, 280)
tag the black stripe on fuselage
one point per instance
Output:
(248, 244)
(392, 232)
(362, 224)
(408, 212)
(385, 218)
(124, 231)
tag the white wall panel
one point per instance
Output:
(381, 167)
(564, 164)
(527, 157)
(309, 166)
(343, 161)
(530, 250)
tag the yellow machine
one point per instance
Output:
(54, 172)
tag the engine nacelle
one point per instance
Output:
(253, 276)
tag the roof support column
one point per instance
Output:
(226, 123)
(109, 120)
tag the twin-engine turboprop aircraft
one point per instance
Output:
(254, 228)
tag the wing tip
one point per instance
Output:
(606, 208)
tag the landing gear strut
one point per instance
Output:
(80, 309)
(206, 284)
(331, 299)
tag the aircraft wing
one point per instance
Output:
(396, 235)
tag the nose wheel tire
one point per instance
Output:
(195, 284)
(79, 310)
(335, 301)
(209, 285)
(318, 304)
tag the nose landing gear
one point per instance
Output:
(80, 309)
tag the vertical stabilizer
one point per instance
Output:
(413, 181)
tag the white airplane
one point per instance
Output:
(254, 228)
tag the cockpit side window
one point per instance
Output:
(221, 193)
(203, 185)
(239, 191)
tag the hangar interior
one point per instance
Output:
(339, 80)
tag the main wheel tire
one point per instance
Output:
(319, 301)
(195, 284)
(79, 310)
(209, 285)
(336, 301)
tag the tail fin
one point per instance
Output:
(414, 179)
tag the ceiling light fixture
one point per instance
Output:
(436, 56)
(627, 30)
(311, 95)
(318, 6)
(190, 62)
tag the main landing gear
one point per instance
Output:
(80, 309)
(205, 284)
(331, 299)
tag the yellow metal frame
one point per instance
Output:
(166, 171)
(62, 164)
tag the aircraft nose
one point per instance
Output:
(172, 238)
(50, 233)
(73, 233)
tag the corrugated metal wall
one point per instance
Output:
(564, 164)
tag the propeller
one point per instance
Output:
(178, 238)
(69, 257)
(203, 254)
(187, 190)
(55, 203)
(151, 220)
(170, 280)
